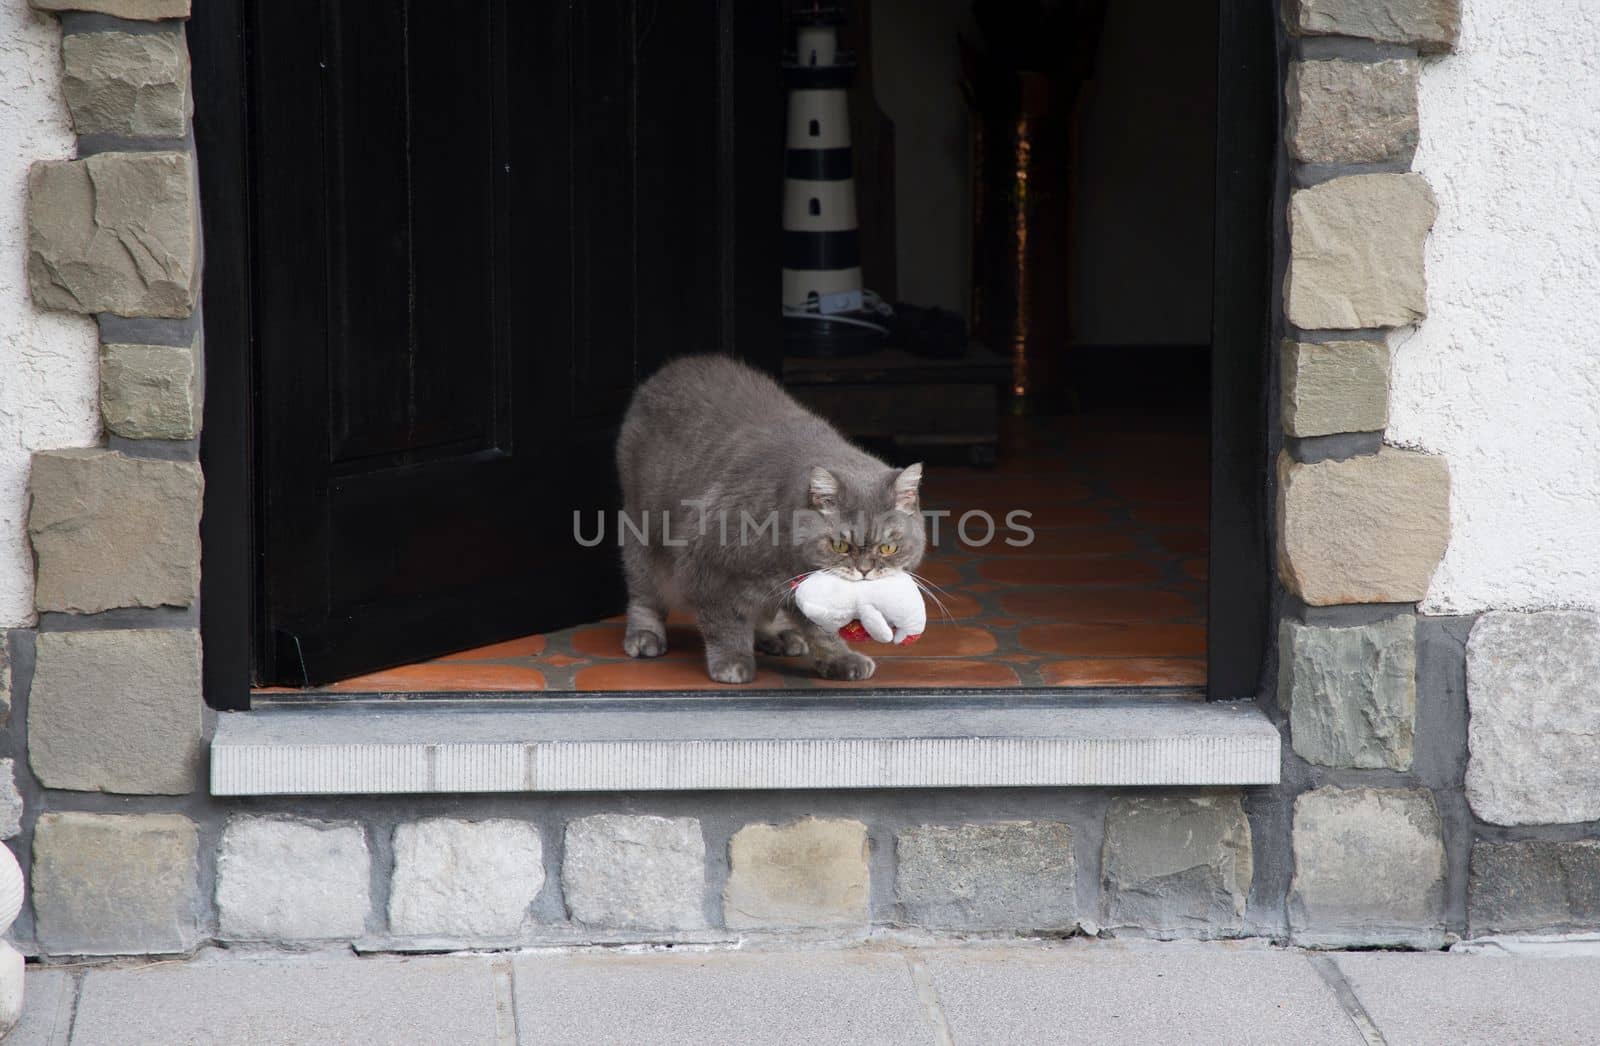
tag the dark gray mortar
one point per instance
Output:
(1308, 174)
(1317, 48)
(121, 617)
(92, 22)
(156, 449)
(1308, 450)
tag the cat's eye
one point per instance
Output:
(841, 546)
(887, 549)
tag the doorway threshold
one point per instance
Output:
(689, 742)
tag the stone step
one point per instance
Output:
(642, 743)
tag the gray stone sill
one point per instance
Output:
(688, 743)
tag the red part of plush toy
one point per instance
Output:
(854, 632)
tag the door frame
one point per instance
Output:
(1245, 313)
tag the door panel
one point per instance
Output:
(467, 253)
(603, 207)
(413, 356)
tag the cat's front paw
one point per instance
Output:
(848, 665)
(788, 643)
(641, 642)
(732, 668)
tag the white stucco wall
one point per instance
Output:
(1503, 377)
(47, 361)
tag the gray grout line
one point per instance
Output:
(1328, 969)
(505, 1003)
(62, 1032)
(928, 995)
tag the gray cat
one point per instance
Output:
(733, 491)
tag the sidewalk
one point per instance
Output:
(1010, 993)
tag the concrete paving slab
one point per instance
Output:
(753, 999)
(287, 1000)
(1117, 992)
(46, 1009)
(1460, 999)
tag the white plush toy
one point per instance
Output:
(889, 609)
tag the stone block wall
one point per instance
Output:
(1445, 773)
(424, 873)
(109, 713)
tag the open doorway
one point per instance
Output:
(1082, 378)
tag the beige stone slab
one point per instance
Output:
(1369, 529)
(1430, 25)
(117, 710)
(150, 391)
(1369, 868)
(1352, 112)
(809, 873)
(1340, 386)
(134, 85)
(1356, 252)
(110, 530)
(115, 884)
(139, 10)
(118, 232)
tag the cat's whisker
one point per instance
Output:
(936, 600)
(929, 588)
(787, 583)
(918, 577)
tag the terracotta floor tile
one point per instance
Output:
(1197, 568)
(1109, 639)
(452, 676)
(1069, 570)
(939, 570)
(1125, 671)
(527, 646)
(956, 604)
(1070, 541)
(940, 640)
(606, 640)
(1098, 604)
(560, 660)
(659, 673)
(931, 672)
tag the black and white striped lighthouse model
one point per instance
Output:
(827, 310)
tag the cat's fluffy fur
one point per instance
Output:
(712, 451)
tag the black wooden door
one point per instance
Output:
(476, 226)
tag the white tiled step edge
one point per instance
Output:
(570, 745)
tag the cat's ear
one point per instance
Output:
(906, 487)
(824, 493)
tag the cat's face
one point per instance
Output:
(865, 528)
